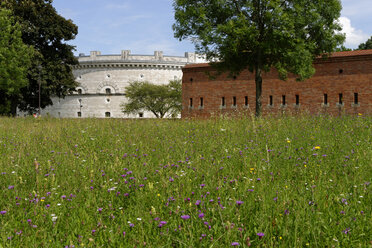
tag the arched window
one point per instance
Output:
(80, 91)
(108, 91)
(107, 114)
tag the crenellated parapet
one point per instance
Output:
(130, 61)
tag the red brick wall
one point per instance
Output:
(356, 77)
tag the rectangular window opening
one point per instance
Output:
(297, 99)
(271, 100)
(190, 103)
(78, 113)
(246, 100)
(223, 101)
(283, 99)
(201, 102)
(340, 98)
(107, 114)
(234, 100)
(325, 99)
(356, 100)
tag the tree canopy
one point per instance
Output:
(15, 60)
(158, 99)
(260, 34)
(44, 29)
(366, 45)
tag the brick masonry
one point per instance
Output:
(345, 77)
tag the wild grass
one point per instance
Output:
(269, 182)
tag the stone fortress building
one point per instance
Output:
(102, 80)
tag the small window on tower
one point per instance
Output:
(283, 100)
(356, 100)
(140, 115)
(234, 101)
(80, 91)
(108, 91)
(246, 100)
(79, 114)
(190, 103)
(223, 101)
(201, 102)
(107, 114)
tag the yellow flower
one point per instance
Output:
(360, 114)
(158, 195)
(317, 147)
(280, 238)
(305, 165)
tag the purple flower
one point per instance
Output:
(346, 231)
(162, 223)
(258, 179)
(171, 179)
(234, 244)
(197, 203)
(63, 197)
(250, 190)
(3, 212)
(124, 234)
(11, 187)
(131, 225)
(100, 210)
(275, 199)
(239, 203)
(260, 234)
(185, 217)
(93, 231)
(201, 216)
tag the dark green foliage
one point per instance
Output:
(15, 60)
(342, 49)
(260, 34)
(366, 45)
(158, 99)
(47, 31)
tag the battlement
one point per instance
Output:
(126, 56)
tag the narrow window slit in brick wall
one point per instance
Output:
(283, 100)
(340, 98)
(271, 100)
(201, 102)
(190, 103)
(297, 99)
(325, 99)
(246, 100)
(356, 100)
(223, 101)
(234, 101)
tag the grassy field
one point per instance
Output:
(270, 182)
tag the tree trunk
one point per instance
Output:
(13, 107)
(258, 80)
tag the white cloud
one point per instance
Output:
(353, 36)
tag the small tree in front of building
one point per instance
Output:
(161, 100)
(259, 35)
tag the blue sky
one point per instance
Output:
(144, 26)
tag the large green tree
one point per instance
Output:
(366, 45)
(15, 60)
(260, 34)
(44, 29)
(158, 99)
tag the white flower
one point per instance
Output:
(139, 219)
(54, 218)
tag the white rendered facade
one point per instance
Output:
(102, 80)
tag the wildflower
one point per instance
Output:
(317, 147)
(239, 203)
(11, 187)
(201, 216)
(131, 225)
(346, 231)
(185, 217)
(93, 231)
(197, 203)
(260, 234)
(124, 234)
(3, 212)
(234, 244)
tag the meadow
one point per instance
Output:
(268, 182)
